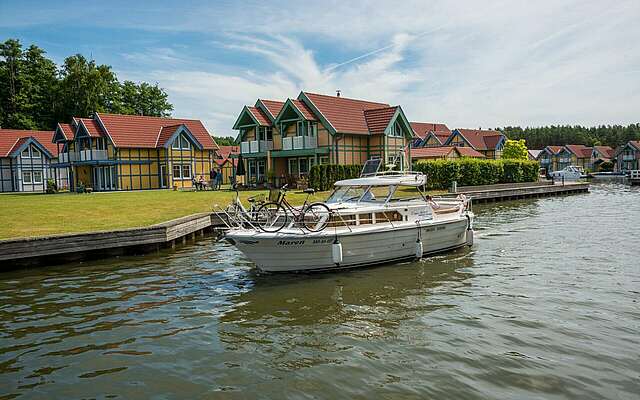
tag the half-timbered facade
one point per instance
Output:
(25, 161)
(286, 138)
(129, 152)
(489, 143)
(579, 155)
(627, 157)
(444, 153)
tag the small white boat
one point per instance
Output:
(570, 173)
(369, 222)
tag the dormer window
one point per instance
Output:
(181, 143)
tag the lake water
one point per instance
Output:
(545, 305)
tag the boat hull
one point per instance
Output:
(288, 252)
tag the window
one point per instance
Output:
(186, 171)
(314, 129)
(324, 160)
(26, 177)
(177, 171)
(265, 133)
(302, 128)
(396, 130)
(181, 143)
(303, 163)
(35, 153)
(293, 166)
(25, 153)
(37, 176)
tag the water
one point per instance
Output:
(545, 305)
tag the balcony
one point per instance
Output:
(92, 155)
(544, 161)
(256, 146)
(628, 157)
(299, 142)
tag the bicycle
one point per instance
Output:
(274, 215)
(237, 210)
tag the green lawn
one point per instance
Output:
(29, 215)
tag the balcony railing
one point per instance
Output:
(544, 161)
(93, 155)
(256, 146)
(628, 157)
(299, 142)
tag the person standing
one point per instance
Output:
(213, 176)
(218, 179)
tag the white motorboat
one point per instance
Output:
(570, 173)
(381, 218)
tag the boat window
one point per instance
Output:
(376, 194)
(346, 194)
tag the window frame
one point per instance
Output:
(184, 176)
(35, 151)
(28, 151)
(181, 140)
(33, 178)
(24, 177)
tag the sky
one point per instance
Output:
(466, 63)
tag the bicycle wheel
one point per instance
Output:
(316, 217)
(271, 217)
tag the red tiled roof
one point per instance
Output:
(481, 139)
(421, 129)
(68, 131)
(606, 151)
(144, 132)
(11, 139)
(555, 149)
(635, 143)
(581, 151)
(259, 115)
(92, 126)
(166, 132)
(304, 110)
(273, 106)
(438, 152)
(344, 114)
(225, 153)
(378, 119)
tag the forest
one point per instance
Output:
(560, 135)
(35, 93)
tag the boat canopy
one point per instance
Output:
(394, 179)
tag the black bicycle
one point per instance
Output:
(274, 215)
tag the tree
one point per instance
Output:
(515, 150)
(225, 141)
(144, 99)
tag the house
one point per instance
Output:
(130, 152)
(579, 155)
(227, 162)
(628, 156)
(599, 155)
(25, 161)
(444, 152)
(487, 142)
(429, 134)
(288, 137)
(548, 158)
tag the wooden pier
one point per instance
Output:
(58, 249)
(516, 191)
(634, 178)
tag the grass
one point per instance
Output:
(31, 215)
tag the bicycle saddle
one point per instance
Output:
(309, 190)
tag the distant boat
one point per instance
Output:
(570, 173)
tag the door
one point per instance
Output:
(163, 176)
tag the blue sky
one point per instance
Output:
(466, 63)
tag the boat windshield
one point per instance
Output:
(367, 194)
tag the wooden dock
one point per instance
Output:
(634, 178)
(516, 191)
(58, 249)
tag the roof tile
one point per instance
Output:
(344, 114)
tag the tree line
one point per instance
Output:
(37, 94)
(560, 135)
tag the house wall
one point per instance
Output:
(6, 175)
(432, 142)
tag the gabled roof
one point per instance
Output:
(225, 153)
(93, 129)
(297, 108)
(605, 151)
(553, 150)
(437, 152)
(139, 131)
(66, 130)
(304, 110)
(634, 143)
(533, 154)
(166, 132)
(259, 116)
(273, 107)
(378, 119)
(422, 129)
(581, 151)
(480, 139)
(12, 139)
(344, 115)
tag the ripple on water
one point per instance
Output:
(543, 306)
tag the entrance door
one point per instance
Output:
(163, 176)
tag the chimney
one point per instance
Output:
(337, 92)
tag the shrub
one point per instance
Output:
(322, 177)
(52, 186)
(473, 172)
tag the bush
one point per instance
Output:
(474, 172)
(322, 177)
(52, 186)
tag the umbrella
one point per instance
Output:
(240, 167)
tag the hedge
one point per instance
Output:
(472, 172)
(322, 177)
